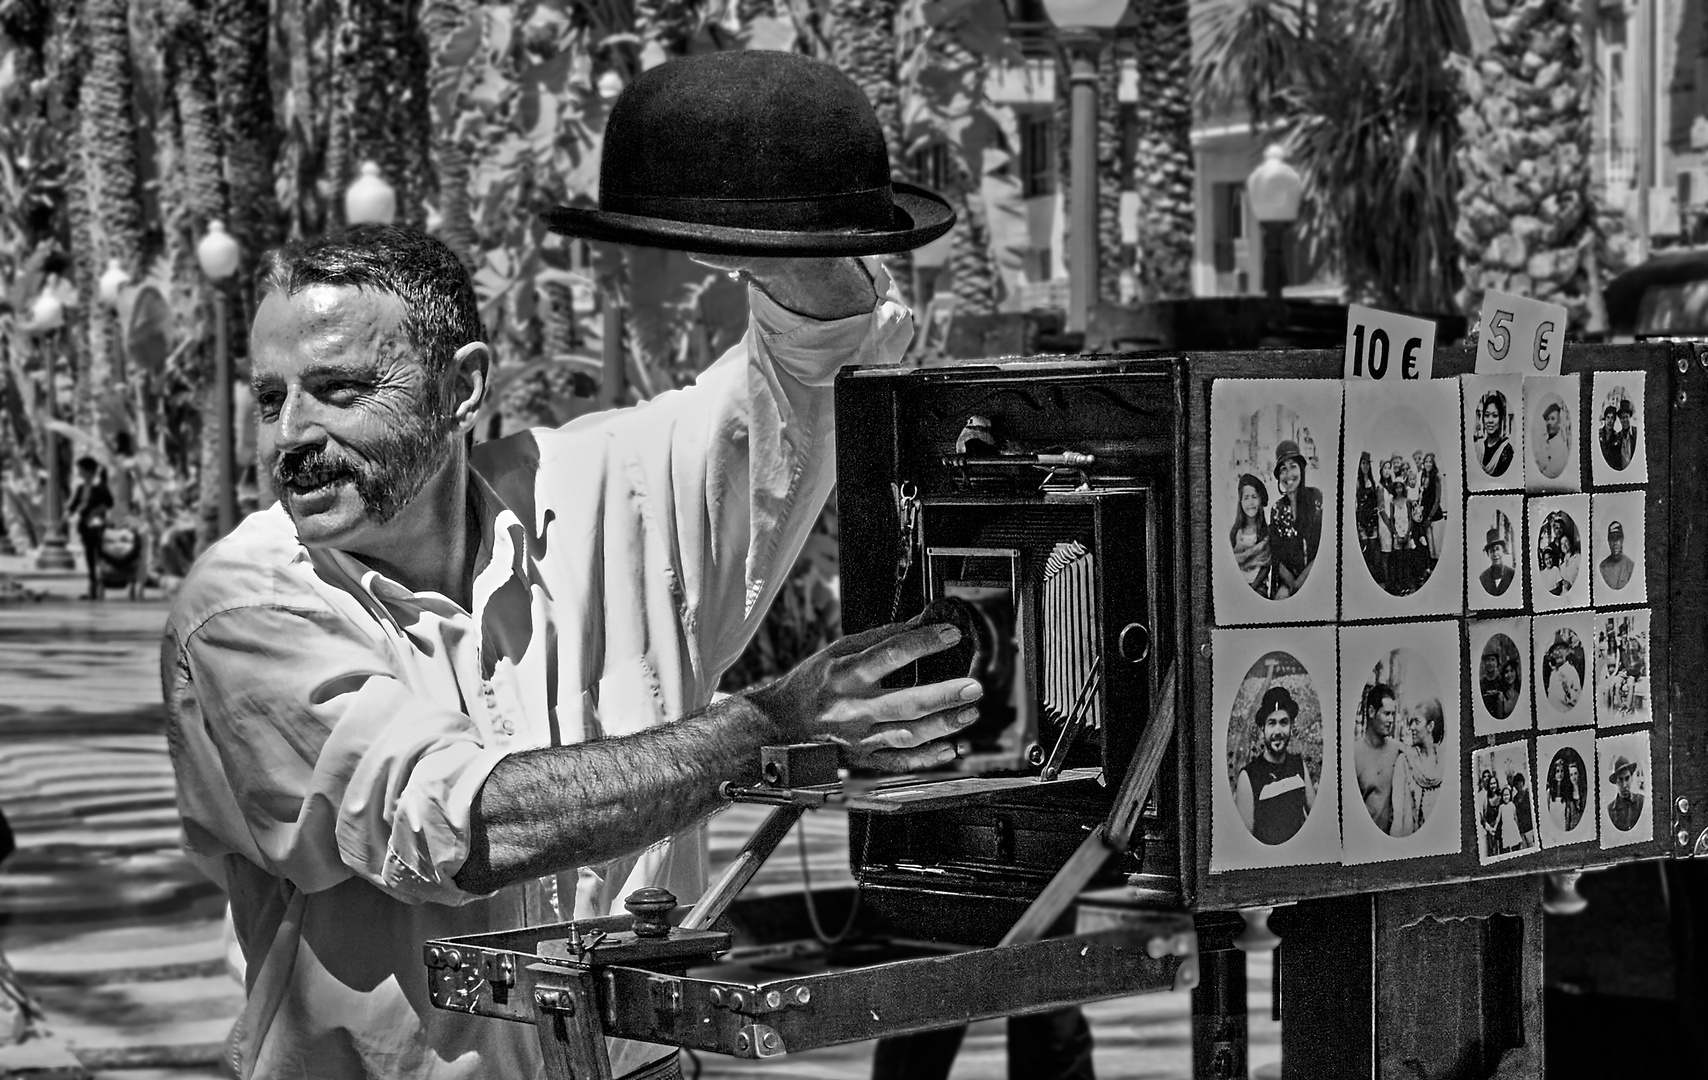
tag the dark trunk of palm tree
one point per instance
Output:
(1109, 178)
(441, 22)
(1163, 163)
(1063, 124)
(110, 227)
(382, 108)
(201, 193)
(247, 123)
(863, 46)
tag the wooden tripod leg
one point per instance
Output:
(572, 1038)
(1113, 835)
(738, 873)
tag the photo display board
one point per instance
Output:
(1485, 689)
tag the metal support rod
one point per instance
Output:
(1274, 258)
(1219, 1020)
(738, 873)
(1082, 47)
(223, 405)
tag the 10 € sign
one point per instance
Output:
(1520, 336)
(1388, 347)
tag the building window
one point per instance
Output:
(930, 167)
(1227, 224)
(1037, 155)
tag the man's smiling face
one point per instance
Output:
(352, 426)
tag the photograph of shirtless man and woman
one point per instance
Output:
(1400, 724)
(1563, 646)
(1274, 444)
(1494, 435)
(1505, 802)
(1275, 809)
(1566, 763)
(1402, 534)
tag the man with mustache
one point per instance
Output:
(444, 689)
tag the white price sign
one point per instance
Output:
(1388, 347)
(1520, 336)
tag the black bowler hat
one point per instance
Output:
(751, 152)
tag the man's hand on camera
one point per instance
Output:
(817, 288)
(834, 696)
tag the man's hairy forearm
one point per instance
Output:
(546, 811)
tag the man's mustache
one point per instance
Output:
(310, 467)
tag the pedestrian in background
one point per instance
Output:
(90, 506)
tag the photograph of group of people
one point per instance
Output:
(1505, 801)
(1275, 443)
(1622, 669)
(1402, 523)
(1563, 662)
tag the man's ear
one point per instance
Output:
(470, 367)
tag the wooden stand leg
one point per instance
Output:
(1442, 983)
(1219, 1033)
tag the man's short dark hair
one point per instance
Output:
(1378, 693)
(1551, 407)
(441, 312)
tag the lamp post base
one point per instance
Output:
(55, 553)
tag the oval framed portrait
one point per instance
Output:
(1275, 747)
(1400, 481)
(1500, 676)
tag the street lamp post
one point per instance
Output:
(47, 318)
(1081, 27)
(219, 254)
(369, 199)
(1275, 189)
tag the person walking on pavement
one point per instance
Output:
(90, 506)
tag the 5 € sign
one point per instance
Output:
(1520, 336)
(1388, 347)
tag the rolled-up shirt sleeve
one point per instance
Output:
(299, 748)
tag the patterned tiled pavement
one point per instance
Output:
(119, 937)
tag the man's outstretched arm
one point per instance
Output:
(549, 810)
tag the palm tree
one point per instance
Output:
(864, 46)
(381, 105)
(1163, 160)
(251, 137)
(1367, 99)
(1533, 231)
(105, 197)
(1110, 180)
(453, 32)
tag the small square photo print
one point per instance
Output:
(1494, 552)
(1564, 648)
(1627, 803)
(1274, 470)
(1559, 549)
(1504, 800)
(1566, 763)
(1399, 716)
(1401, 535)
(1618, 456)
(1500, 662)
(1622, 669)
(1276, 697)
(1552, 433)
(1620, 538)
(1494, 432)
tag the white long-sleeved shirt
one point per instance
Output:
(330, 728)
